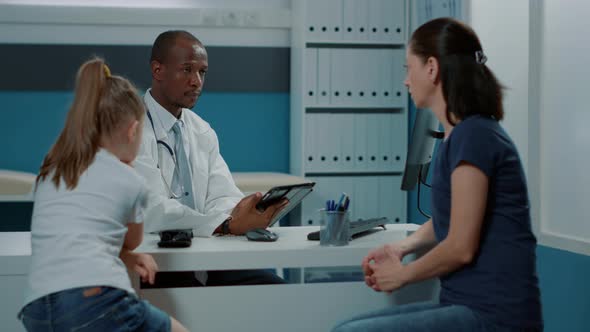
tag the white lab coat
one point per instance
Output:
(215, 192)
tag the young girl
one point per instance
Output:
(87, 217)
(482, 246)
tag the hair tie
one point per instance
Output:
(107, 71)
(480, 57)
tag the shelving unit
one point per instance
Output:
(349, 107)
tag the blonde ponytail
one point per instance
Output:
(101, 101)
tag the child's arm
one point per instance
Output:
(143, 264)
(134, 236)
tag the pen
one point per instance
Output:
(346, 202)
(342, 197)
(328, 205)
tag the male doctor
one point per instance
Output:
(190, 183)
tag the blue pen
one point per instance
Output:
(339, 205)
(328, 205)
(342, 197)
(344, 205)
(346, 202)
(333, 205)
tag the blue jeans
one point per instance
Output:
(424, 316)
(93, 309)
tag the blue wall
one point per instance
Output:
(253, 129)
(246, 123)
(565, 289)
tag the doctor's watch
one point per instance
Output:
(225, 225)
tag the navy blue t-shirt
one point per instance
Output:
(501, 282)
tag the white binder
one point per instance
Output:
(361, 19)
(348, 139)
(399, 145)
(324, 89)
(324, 20)
(311, 76)
(363, 76)
(313, 19)
(375, 24)
(397, 60)
(360, 142)
(310, 151)
(387, 130)
(374, 70)
(393, 17)
(349, 24)
(323, 142)
(386, 77)
(373, 142)
(339, 76)
(333, 131)
(332, 13)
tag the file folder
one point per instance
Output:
(387, 131)
(375, 24)
(324, 89)
(349, 24)
(373, 142)
(360, 143)
(311, 76)
(310, 151)
(393, 16)
(347, 142)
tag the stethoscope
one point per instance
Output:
(172, 155)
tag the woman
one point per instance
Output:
(482, 247)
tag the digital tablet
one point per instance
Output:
(293, 193)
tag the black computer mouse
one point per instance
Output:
(260, 234)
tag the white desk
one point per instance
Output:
(292, 307)
(15, 257)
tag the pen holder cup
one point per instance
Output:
(334, 227)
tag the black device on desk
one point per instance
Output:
(357, 228)
(175, 238)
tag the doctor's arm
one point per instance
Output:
(469, 188)
(162, 212)
(224, 196)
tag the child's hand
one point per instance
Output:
(143, 264)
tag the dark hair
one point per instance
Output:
(468, 85)
(166, 40)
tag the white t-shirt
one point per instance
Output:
(77, 235)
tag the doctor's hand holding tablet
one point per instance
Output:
(257, 212)
(245, 216)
